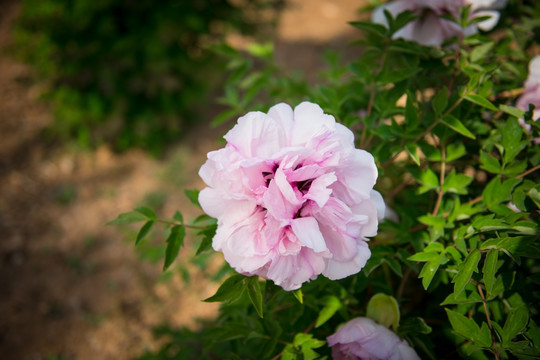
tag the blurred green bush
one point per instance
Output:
(130, 73)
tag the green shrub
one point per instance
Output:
(128, 72)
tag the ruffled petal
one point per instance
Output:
(340, 269)
(319, 190)
(308, 232)
(309, 122)
(256, 135)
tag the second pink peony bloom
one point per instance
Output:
(292, 195)
(363, 339)
(430, 28)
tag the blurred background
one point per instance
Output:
(106, 105)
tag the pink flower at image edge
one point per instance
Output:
(531, 94)
(432, 30)
(292, 196)
(362, 338)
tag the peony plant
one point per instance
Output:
(434, 125)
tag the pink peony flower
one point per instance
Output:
(429, 28)
(293, 197)
(531, 95)
(363, 339)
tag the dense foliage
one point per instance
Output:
(460, 256)
(129, 72)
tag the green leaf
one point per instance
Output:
(174, 242)
(375, 29)
(455, 124)
(465, 297)
(394, 265)
(489, 163)
(264, 50)
(515, 168)
(462, 325)
(178, 217)
(456, 255)
(496, 191)
(412, 150)
(146, 211)
(429, 181)
(307, 343)
(437, 221)
(429, 254)
(480, 52)
(299, 295)
(208, 234)
(480, 100)
(128, 218)
(456, 183)
(391, 76)
(360, 69)
(230, 290)
(255, 294)
(489, 270)
(193, 196)
(534, 334)
(373, 263)
(144, 231)
(440, 101)
(430, 269)
(465, 271)
(331, 305)
(384, 309)
(516, 322)
(513, 111)
(454, 151)
(415, 325)
(511, 133)
(483, 338)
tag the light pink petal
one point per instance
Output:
(306, 172)
(342, 246)
(283, 114)
(433, 30)
(378, 201)
(288, 243)
(362, 338)
(356, 177)
(309, 121)
(256, 135)
(231, 220)
(216, 204)
(370, 223)
(338, 269)
(404, 352)
(394, 7)
(534, 70)
(352, 331)
(308, 232)
(290, 272)
(286, 189)
(277, 205)
(335, 213)
(319, 190)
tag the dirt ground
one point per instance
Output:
(70, 287)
